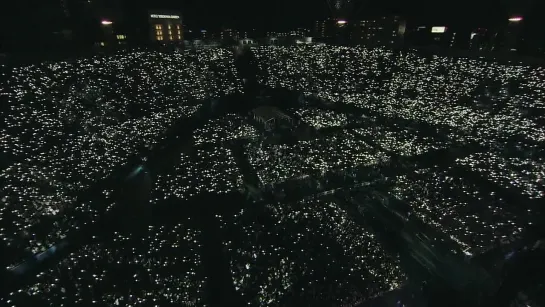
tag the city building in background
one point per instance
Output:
(436, 36)
(481, 39)
(96, 22)
(300, 32)
(442, 36)
(339, 27)
(247, 42)
(271, 40)
(512, 33)
(296, 36)
(324, 30)
(379, 32)
(229, 35)
(277, 34)
(165, 27)
(333, 31)
(532, 40)
(304, 40)
(417, 36)
(79, 25)
(112, 33)
(107, 36)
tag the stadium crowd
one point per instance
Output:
(69, 125)
(420, 104)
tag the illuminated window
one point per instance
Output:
(178, 27)
(158, 27)
(179, 37)
(159, 33)
(170, 37)
(169, 26)
(169, 32)
(159, 38)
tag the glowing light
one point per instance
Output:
(515, 19)
(106, 22)
(136, 171)
(341, 22)
(438, 29)
(165, 16)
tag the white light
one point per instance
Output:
(106, 22)
(165, 16)
(515, 19)
(341, 22)
(438, 29)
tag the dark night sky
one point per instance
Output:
(287, 14)
(281, 15)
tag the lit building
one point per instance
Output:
(300, 32)
(278, 34)
(480, 40)
(512, 33)
(203, 34)
(304, 40)
(324, 29)
(380, 32)
(107, 36)
(246, 42)
(165, 27)
(335, 31)
(271, 40)
(418, 36)
(441, 36)
(111, 34)
(106, 16)
(532, 38)
(229, 34)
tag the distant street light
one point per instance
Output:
(341, 22)
(106, 22)
(515, 19)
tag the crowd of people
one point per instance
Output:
(344, 262)
(278, 163)
(419, 104)
(69, 125)
(212, 169)
(225, 129)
